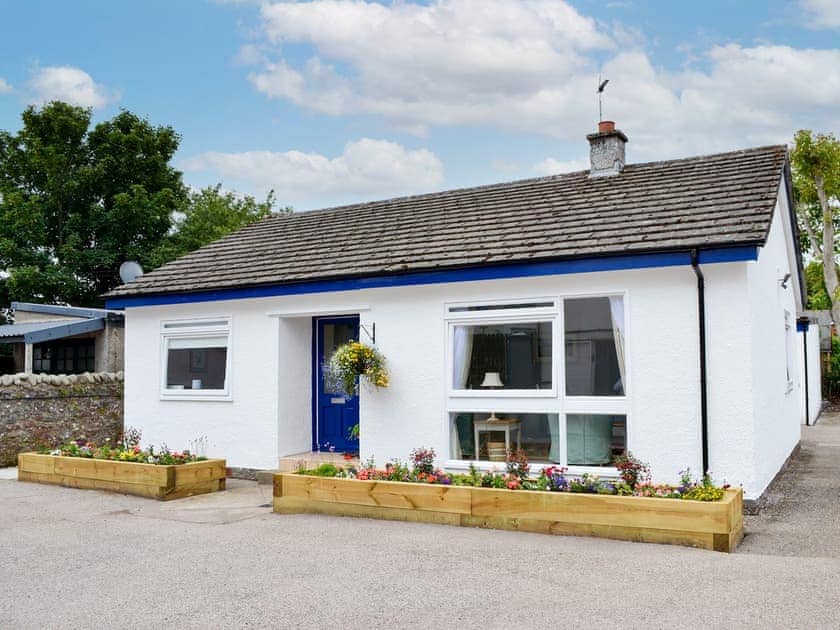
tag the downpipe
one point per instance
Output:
(701, 324)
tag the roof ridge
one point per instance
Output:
(517, 182)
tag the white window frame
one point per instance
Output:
(503, 316)
(195, 328)
(554, 401)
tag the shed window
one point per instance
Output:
(64, 357)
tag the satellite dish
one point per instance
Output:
(130, 270)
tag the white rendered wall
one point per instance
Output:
(243, 430)
(729, 375)
(294, 385)
(814, 389)
(270, 414)
(814, 373)
(777, 405)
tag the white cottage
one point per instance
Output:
(650, 307)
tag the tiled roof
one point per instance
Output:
(721, 200)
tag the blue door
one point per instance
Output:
(335, 413)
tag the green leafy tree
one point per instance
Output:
(817, 295)
(816, 176)
(209, 215)
(76, 201)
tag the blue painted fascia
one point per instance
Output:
(67, 330)
(469, 274)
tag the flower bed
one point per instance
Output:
(698, 514)
(125, 467)
(158, 481)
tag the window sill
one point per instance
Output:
(203, 396)
(503, 393)
(605, 472)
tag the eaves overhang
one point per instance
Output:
(742, 253)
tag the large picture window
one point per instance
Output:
(510, 355)
(196, 359)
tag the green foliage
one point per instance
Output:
(831, 378)
(76, 201)
(324, 470)
(208, 215)
(815, 158)
(817, 295)
(704, 491)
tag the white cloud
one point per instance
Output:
(532, 65)
(5, 88)
(821, 14)
(552, 166)
(451, 62)
(366, 169)
(748, 97)
(69, 84)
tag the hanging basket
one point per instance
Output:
(353, 361)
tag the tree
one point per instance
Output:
(816, 177)
(817, 295)
(76, 202)
(209, 215)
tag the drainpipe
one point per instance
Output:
(803, 324)
(701, 321)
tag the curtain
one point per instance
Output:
(462, 355)
(462, 345)
(617, 314)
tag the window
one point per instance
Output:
(196, 359)
(594, 334)
(498, 356)
(505, 361)
(64, 357)
(789, 369)
(486, 436)
(594, 440)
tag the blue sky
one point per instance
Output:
(330, 102)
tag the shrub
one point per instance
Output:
(631, 470)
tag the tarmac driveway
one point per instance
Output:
(84, 559)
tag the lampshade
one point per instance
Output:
(491, 379)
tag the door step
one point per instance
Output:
(309, 460)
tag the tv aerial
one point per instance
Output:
(601, 86)
(130, 270)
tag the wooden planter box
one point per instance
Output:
(710, 525)
(145, 480)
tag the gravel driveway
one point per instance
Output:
(85, 559)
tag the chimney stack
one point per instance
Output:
(606, 150)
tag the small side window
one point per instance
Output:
(196, 359)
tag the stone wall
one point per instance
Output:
(46, 410)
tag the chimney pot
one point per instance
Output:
(606, 150)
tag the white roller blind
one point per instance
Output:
(184, 343)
